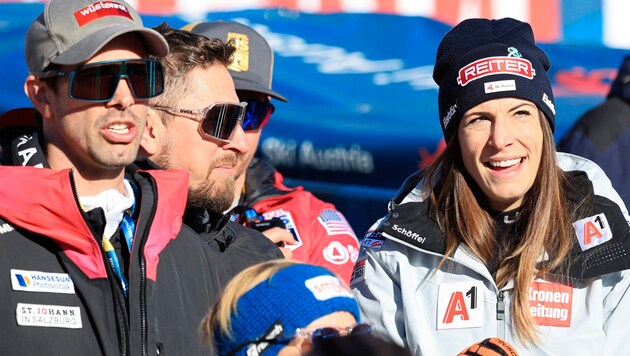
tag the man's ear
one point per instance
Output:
(40, 95)
(151, 138)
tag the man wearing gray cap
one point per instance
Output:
(320, 234)
(97, 256)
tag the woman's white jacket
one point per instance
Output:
(443, 311)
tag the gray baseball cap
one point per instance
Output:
(252, 65)
(70, 32)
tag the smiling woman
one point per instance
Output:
(473, 241)
(501, 144)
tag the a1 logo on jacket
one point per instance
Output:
(592, 231)
(460, 305)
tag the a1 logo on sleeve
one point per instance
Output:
(592, 231)
(460, 305)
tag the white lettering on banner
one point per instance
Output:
(280, 152)
(336, 159)
(286, 153)
(48, 316)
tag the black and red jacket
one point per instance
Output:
(44, 235)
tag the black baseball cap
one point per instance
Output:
(252, 64)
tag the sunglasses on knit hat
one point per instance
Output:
(315, 336)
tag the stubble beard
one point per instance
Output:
(213, 195)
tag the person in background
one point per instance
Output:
(195, 125)
(320, 234)
(495, 238)
(602, 134)
(281, 307)
(94, 256)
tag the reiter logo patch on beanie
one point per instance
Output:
(511, 64)
(480, 60)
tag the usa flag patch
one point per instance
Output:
(335, 223)
(373, 240)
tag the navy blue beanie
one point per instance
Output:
(480, 60)
(290, 299)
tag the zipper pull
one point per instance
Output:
(500, 307)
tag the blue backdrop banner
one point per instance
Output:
(362, 111)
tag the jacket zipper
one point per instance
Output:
(501, 315)
(121, 325)
(143, 272)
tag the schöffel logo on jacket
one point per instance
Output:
(409, 234)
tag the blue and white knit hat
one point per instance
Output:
(292, 298)
(480, 60)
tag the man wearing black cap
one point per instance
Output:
(320, 234)
(95, 259)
